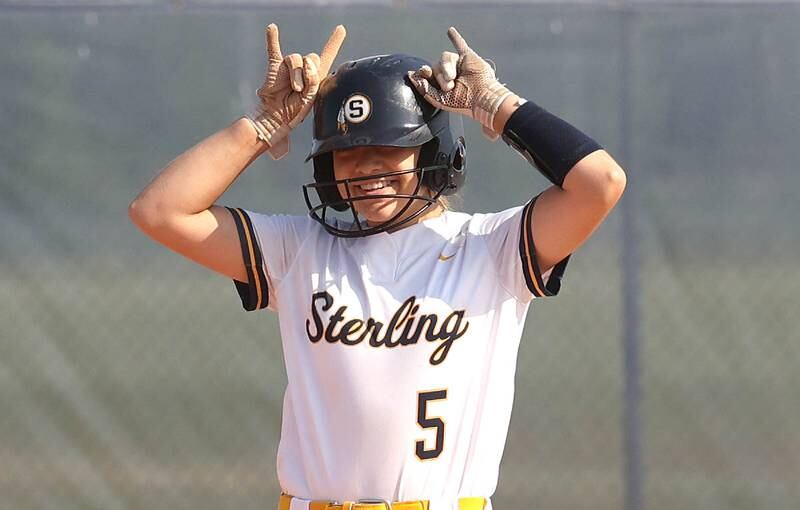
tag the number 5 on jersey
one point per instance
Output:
(426, 422)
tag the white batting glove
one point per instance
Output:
(465, 83)
(290, 86)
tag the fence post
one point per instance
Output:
(632, 395)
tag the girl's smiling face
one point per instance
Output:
(372, 160)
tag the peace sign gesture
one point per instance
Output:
(290, 86)
(464, 83)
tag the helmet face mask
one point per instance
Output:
(370, 102)
(423, 197)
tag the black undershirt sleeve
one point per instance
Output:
(547, 142)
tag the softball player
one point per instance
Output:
(400, 319)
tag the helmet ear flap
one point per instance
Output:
(448, 180)
(456, 168)
(323, 174)
(429, 155)
(459, 155)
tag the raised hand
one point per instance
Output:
(290, 86)
(464, 83)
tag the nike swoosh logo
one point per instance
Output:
(443, 258)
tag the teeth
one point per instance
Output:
(371, 186)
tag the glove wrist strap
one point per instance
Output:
(266, 131)
(264, 128)
(486, 106)
(260, 132)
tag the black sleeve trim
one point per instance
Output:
(530, 266)
(255, 292)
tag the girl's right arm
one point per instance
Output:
(177, 208)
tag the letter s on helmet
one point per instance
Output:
(369, 102)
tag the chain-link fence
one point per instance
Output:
(665, 375)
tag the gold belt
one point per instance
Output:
(377, 504)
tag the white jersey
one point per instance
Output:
(400, 350)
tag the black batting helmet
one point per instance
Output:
(370, 102)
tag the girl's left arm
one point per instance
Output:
(566, 214)
(587, 181)
(564, 218)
